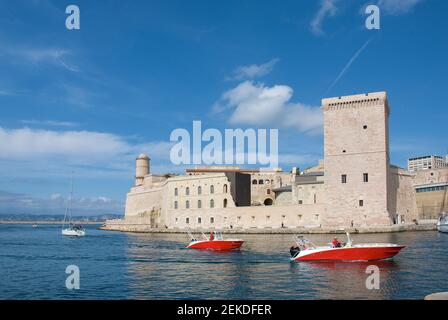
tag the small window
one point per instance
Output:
(361, 203)
(212, 189)
(199, 220)
(344, 178)
(176, 191)
(187, 191)
(300, 201)
(199, 204)
(364, 127)
(254, 181)
(225, 203)
(225, 188)
(260, 181)
(212, 203)
(268, 191)
(366, 177)
(175, 205)
(199, 190)
(343, 151)
(187, 204)
(187, 220)
(212, 220)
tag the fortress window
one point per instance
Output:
(212, 203)
(212, 189)
(199, 190)
(225, 188)
(187, 191)
(176, 192)
(300, 201)
(364, 127)
(268, 191)
(199, 204)
(344, 178)
(343, 151)
(187, 220)
(260, 181)
(212, 220)
(254, 181)
(199, 220)
(225, 203)
(175, 205)
(187, 204)
(361, 203)
(366, 177)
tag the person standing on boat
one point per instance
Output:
(336, 243)
(212, 237)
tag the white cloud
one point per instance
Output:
(51, 123)
(254, 71)
(40, 55)
(79, 147)
(257, 104)
(397, 7)
(327, 9)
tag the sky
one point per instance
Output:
(88, 101)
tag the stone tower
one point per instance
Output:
(141, 168)
(356, 156)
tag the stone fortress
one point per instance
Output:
(354, 186)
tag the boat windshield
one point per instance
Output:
(304, 243)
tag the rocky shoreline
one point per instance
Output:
(121, 226)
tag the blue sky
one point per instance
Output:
(90, 100)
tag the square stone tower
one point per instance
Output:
(356, 157)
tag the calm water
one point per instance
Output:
(144, 266)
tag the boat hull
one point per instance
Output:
(349, 254)
(216, 244)
(73, 233)
(442, 227)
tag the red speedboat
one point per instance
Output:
(214, 242)
(307, 251)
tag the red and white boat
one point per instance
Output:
(214, 242)
(307, 251)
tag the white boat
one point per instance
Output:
(442, 223)
(71, 230)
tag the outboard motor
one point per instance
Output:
(294, 251)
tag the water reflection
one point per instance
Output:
(161, 267)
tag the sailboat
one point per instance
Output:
(71, 230)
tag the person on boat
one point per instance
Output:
(212, 237)
(336, 243)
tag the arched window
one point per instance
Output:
(199, 190)
(212, 189)
(175, 205)
(225, 188)
(199, 204)
(254, 181)
(187, 204)
(225, 203)
(268, 202)
(212, 203)
(187, 191)
(267, 181)
(176, 191)
(260, 181)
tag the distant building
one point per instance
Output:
(427, 163)
(354, 185)
(431, 188)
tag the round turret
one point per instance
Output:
(141, 168)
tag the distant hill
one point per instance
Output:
(53, 217)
